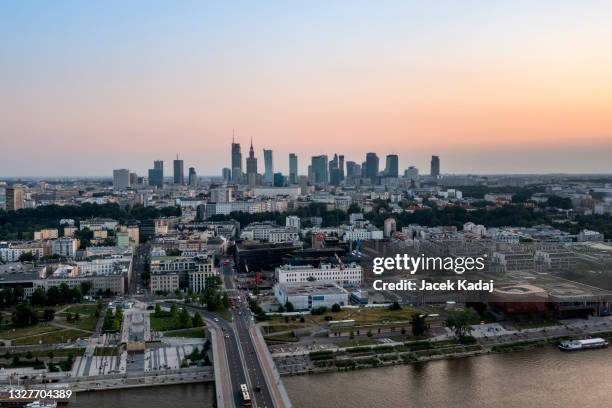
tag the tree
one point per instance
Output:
(24, 315)
(48, 315)
(460, 320)
(289, 307)
(26, 257)
(395, 306)
(369, 334)
(335, 308)
(419, 325)
(86, 287)
(158, 310)
(185, 319)
(197, 320)
(39, 297)
(174, 311)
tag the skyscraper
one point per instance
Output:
(372, 163)
(293, 168)
(353, 170)
(412, 174)
(251, 165)
(341, 166)
(334, 171)
(319, 169)
(226, 173)
(392, 166)
(236, 162)
(179, 175)
(279, 180)
(15, 198)
(268, 167)
(121, 179)
(156, 174)
(193, 177)
(435, 166)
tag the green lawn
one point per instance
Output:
(11, 333)
(162, 323)
(197, 332)
(82, 309)
(87, 319)
(356, 343)
(60, 336)
(362, 315)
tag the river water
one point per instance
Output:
(543, 378)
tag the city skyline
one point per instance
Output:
(414, 79)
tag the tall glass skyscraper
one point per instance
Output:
(268, 167)
(435, 166)
(293, 168)
(236, 163)
(319, 169)
(179, 174)
(372, 166)
(392, 166)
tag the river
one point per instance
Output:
(543, 378)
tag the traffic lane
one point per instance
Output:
(262, 397)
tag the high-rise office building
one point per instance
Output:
(293, 168)
(341, 166)
(435, 166)
(156, 174)
(226, 173)
(392, 166)
(268, 167)
(353, 170)
(133, 179)
(121, 179)
(236, 163)
(319, 169)
(372, 163)
(14, 198)
(193, 177)
(334, 171)
(412, 174)
(279, 180)
(251, 165)
(179, 174)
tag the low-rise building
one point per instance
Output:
(311, 295)
(348, 274)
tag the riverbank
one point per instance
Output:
(355, 358)
(544, 378)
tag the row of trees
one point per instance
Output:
(112, 320)
(180, 319)
(60, 295)
(21, 224)
(26, 315)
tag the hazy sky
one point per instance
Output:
(508, 86)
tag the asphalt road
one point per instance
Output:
(241, 354)
(242, 322)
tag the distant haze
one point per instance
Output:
(490, 87)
